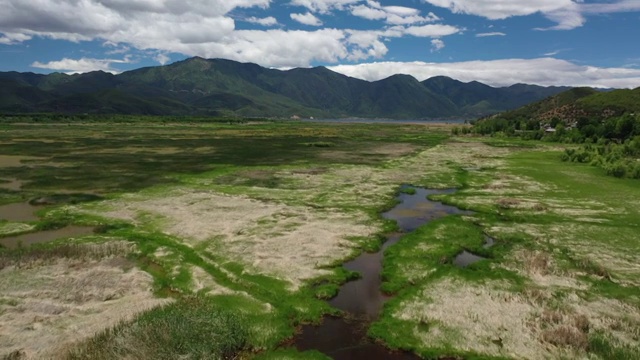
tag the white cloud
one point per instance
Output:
(488, 34)
(161, 58)
(370, 13)
(566, 18)
(500, 9)
(73, 66)
(367, 45)
(401, 10)
(117, 48)
(395, 15)
(307, 19)
(323, 6)
(267, 21)
(605, 8)
(431, 30)
(193, 28)
(568, 14)
(541, 71)
(437, 45)
(10, 39)
(280, 48)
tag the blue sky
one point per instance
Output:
(499, 42)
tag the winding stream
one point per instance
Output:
(362, 300)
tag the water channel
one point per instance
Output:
(362, 300)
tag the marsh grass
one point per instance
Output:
(192, 327)
(106, 161)
(518, 189)
(47, 253)
(606, 348)
(559, 223)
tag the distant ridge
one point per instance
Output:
(219, 87)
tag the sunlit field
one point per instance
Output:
(160, 239)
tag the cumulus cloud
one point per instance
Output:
(161, 58)
(83, 65)
(10, 39)
(193, 28)
(606, 8)
(266, 21)
(488, 34)
(306, 19)
(568, 14)
(395, 15)
(431, 30)
(437, 45)
(500, 9)
(541, 71)
(323, 6)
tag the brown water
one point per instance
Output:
(12, 242)
(362, 301)
(18, 212)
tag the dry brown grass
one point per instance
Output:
(82, 252)
(290, 242)
(536, 262)
(470, 317)
(508, 203)
(53, 300)
(565, 329)
(566, 336)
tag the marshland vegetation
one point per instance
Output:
(214, 240)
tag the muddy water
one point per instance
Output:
(22, 212)
(12, 242)
(362, 300)
(466, 258)
(18, 212)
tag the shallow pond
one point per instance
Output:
(466, 258)
(18, 212)
(362, 300)
(12, 242)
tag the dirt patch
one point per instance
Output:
(49, 305)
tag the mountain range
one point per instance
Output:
(219, 87)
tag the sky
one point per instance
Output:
(498, 42)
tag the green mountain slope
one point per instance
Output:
(477, 99)
(200, 86)
(584, 109)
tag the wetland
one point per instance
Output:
(296, 240)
